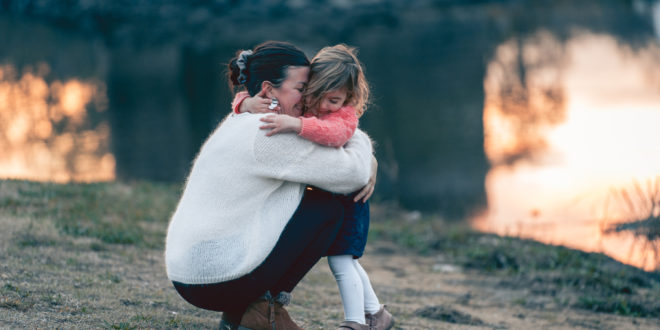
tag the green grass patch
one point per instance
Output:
(590, 281)
(111, 212)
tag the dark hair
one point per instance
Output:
(268, 62)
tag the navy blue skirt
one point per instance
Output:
(352, 236)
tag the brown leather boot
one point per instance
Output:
(260, 315)
(267, 313)
(382, 320)
(282, 318)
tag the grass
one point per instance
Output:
(90, 255)
(590, 281)
(112, 213)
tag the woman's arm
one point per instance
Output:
(291, 158)
(366, 191)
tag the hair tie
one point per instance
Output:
(241, 62)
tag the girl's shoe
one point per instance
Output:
(350, 325)
(382, 320)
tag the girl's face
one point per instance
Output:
(332, 101)
(289, 93)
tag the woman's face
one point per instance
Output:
(289, 94)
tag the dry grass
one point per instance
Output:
(90, 256)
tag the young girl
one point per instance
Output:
(336, 95)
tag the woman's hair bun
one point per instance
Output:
(239, 68)
(234, 72)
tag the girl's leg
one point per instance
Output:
(350, 287)
(371, 303)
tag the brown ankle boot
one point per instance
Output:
(260, 315)
(382, 320)
(282, 319)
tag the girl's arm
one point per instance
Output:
(258, 104)
(332, 130)
(238, 101)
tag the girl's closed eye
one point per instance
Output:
(332, 101)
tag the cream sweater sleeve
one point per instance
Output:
(289, 157)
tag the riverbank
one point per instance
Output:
(83, 256)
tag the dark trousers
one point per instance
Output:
(305, 239)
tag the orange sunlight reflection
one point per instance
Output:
(45, 132)
(551, 175)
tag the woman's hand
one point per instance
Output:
(257, 104)
(281, 124)
(368, 190)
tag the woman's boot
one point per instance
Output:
(267, 313)
(260, 315)
(282, 318)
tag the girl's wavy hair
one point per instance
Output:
(334, 68)
(267, 62)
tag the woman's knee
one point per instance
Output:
(325, 206)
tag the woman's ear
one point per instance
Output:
(267, 89)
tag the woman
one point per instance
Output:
(247, 229)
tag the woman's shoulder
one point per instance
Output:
(241, 121)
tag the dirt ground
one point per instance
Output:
(58, 281)
(410, 284)
(61, 267)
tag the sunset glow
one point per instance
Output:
(31, 147)
(552, 176)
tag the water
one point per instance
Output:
(525, 117)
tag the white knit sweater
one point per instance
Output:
(243, 189)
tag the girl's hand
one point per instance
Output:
(281, 124)
(368, 190)
(257, 104)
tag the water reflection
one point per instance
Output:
(606, 136)
(47, 134)
(524, 97)
(635, 210)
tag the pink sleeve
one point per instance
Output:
(333, 130)
(238, 99)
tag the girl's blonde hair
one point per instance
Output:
(334, 68)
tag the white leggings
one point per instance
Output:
(357, 295)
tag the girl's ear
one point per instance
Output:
(267, 89)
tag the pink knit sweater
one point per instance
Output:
(333, 129)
